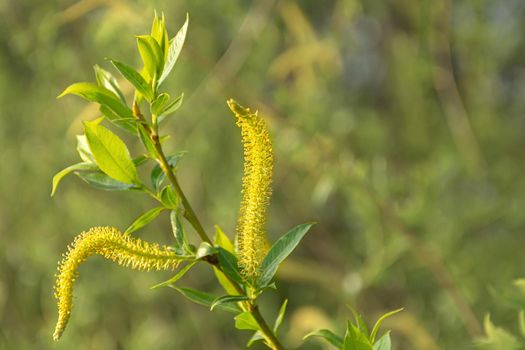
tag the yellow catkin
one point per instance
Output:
(252, 242)
(110, 243)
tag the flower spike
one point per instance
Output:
(110, 243)
(252, 242)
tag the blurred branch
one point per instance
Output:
(78, 10)
(447, 89)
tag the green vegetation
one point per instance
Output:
(397, 127)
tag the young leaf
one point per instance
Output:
(159, 104)
(151, 54)
(174, 50)
(169, 198)
(227, 299)
(359, 321)
(255, 338)
(177, 276)
(139, 160)
(229, 265)
(101, 181)
(379, 321)
(383, 343)
(159, 33)
(83, 150)
(171, 108)
(99, 94)
(107, 80)
(135, 79)
(228, 286)
(128, 124)
(69, 169)
(204, 299)
(178, 231)
(280, 251)
(245, 320)
(327, 335)
(111, 153)
(355, 340)
(280, 317)
(222, 240)
(144, 219)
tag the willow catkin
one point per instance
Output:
(252, 242)
(110, 243)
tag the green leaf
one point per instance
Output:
(355, 339)
(359, 321)
(151, 54)
(98, 94)
(497, 337)
(177, 276)
(280, 317)
(171, 108)
(147, 142)
(101, 181)
(222, 240)
(144, 219)
(228, 299)
(139, 160)
(375, 329)
(75, 167)
(159, 33)
(280, 251)
(169, 198)
(111, 153)
(228, 286)
(205, 249)
(158, 176)
(174, 50)
(83, 150)
(129, 123)
(327, 335)
(159, 104)
(383, 343)
(245, 320)
(204, 299)
(181, 241)
(229, 265)
(107, 80)
(135, 79)
(257, 336)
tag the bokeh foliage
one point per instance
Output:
(397, 125)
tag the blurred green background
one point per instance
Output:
(397, 125)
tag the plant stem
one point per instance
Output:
(267, 333)
(189, 214)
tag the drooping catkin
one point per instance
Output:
(251, 240)
(110, 243)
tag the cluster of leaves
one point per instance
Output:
(357, 336)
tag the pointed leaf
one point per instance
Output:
(280, 251)
(228, 299)
(152, 55)
(355, 340)
(245, 320)
(158, 176)
(128, 124)
(222, 240)
(174, 50)
(83, 150)
(144, 219)
(257, 336)
(171, 108)
(229, 264)
(181, 241)
(327, 335)
(111, 153)
(379, 321)
(169, 198)
(107, 80)
(101, 181)
(75, 167)
(159, 33)
(159, 104)
(147, 142)
(280, 317)
(135, 79)
(98, 94)
(204, 299)
(177, 276)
